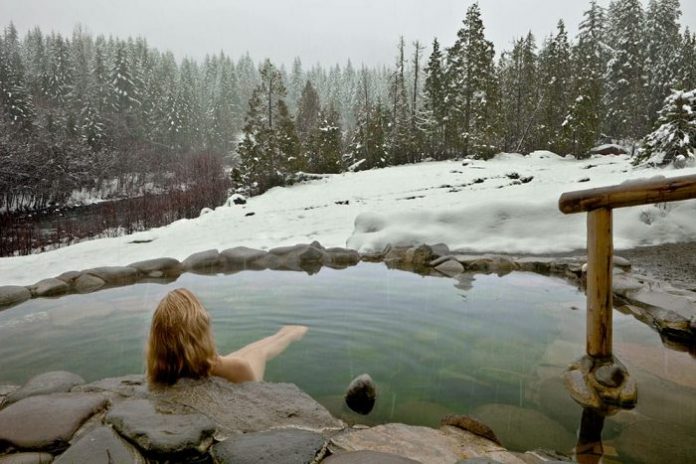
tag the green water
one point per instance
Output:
(494, 348)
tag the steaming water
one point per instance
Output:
(494, 348)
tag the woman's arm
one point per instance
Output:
(249, 363)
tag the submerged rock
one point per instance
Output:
(521, 428)
(101, 446)
(652, 441)
(47, 422)
(159, 434)
(361, 394)
(471, 425)
(282, 446)
(13, 294)
(43, 384)
(367, 457)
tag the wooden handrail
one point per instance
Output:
(629, 194)
(599, 203)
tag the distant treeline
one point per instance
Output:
(82, 111)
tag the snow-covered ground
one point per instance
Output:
(473, 205)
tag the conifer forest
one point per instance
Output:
(116, 116)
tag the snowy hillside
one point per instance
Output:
(508, 204)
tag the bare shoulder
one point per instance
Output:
(233, 369)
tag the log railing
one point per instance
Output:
(599, 203)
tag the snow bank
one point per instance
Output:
(507, 204)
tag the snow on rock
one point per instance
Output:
(472, 205)
(205, 211)
(236, 199)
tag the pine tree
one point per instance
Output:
(686, 77)
(308, 111)
(15, 101)
(583, 123)
(674, 139)
(436, 107)
(662, 48)
(289, 147)
(625, 77)
(324, 147)
(518, 75)
(555, 78)
(398, 135)
(295, 85)
(124, 93)
(471, 81)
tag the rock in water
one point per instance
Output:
(361, 394)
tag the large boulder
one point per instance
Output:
(49, 287)
(87, 283)
(341, 257)
(279, 446)
(114, 275)
(242, 258)
(159, 267)
(46, 383)
(127, 386)
(47, 422)
(158, 433)
(203, 262)
(11, 295)
(608, 149)
(308, 258)
(249, 406)
(101, 446)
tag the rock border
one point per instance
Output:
(671, 311)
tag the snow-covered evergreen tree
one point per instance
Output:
(674, 139)
(686, 63)
(471, 81)
(399, 125)
(626, 116)
(124, 93)
(583, 122)
(15, 101)
(308, 111)
(663, 42)
(436, 108)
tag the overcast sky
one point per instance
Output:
(326, 31)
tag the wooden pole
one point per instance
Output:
(599, 275)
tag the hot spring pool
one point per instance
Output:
(493, 347)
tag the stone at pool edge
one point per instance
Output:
(27, 458)
(287, 446)
(13, 294)
(114, 275)
(242, 257)
(367, 457)
(24, 424)
(49, 287)
(100, 446)
(44, 384)
(157, 433)
(450, 268)
(204, 261)
(158, 267)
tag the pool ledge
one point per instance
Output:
(202, 420)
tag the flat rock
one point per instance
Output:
(367, 457)
(450, 268)
(243, 258)
(69, 277)
(127, 386)
(43, 384)
(158, 433)
(159, 267)
(422, 444)
(652, 441)
(522, 429)
(101, 446)
(249, 406)
(114, 275)
(207, 261)
(13, 294)
(280, 446)
(87, 283)
(47, 422)
(50, 287)
(27, 458)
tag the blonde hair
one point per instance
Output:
(181, 343)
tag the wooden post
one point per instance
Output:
(599, 282)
